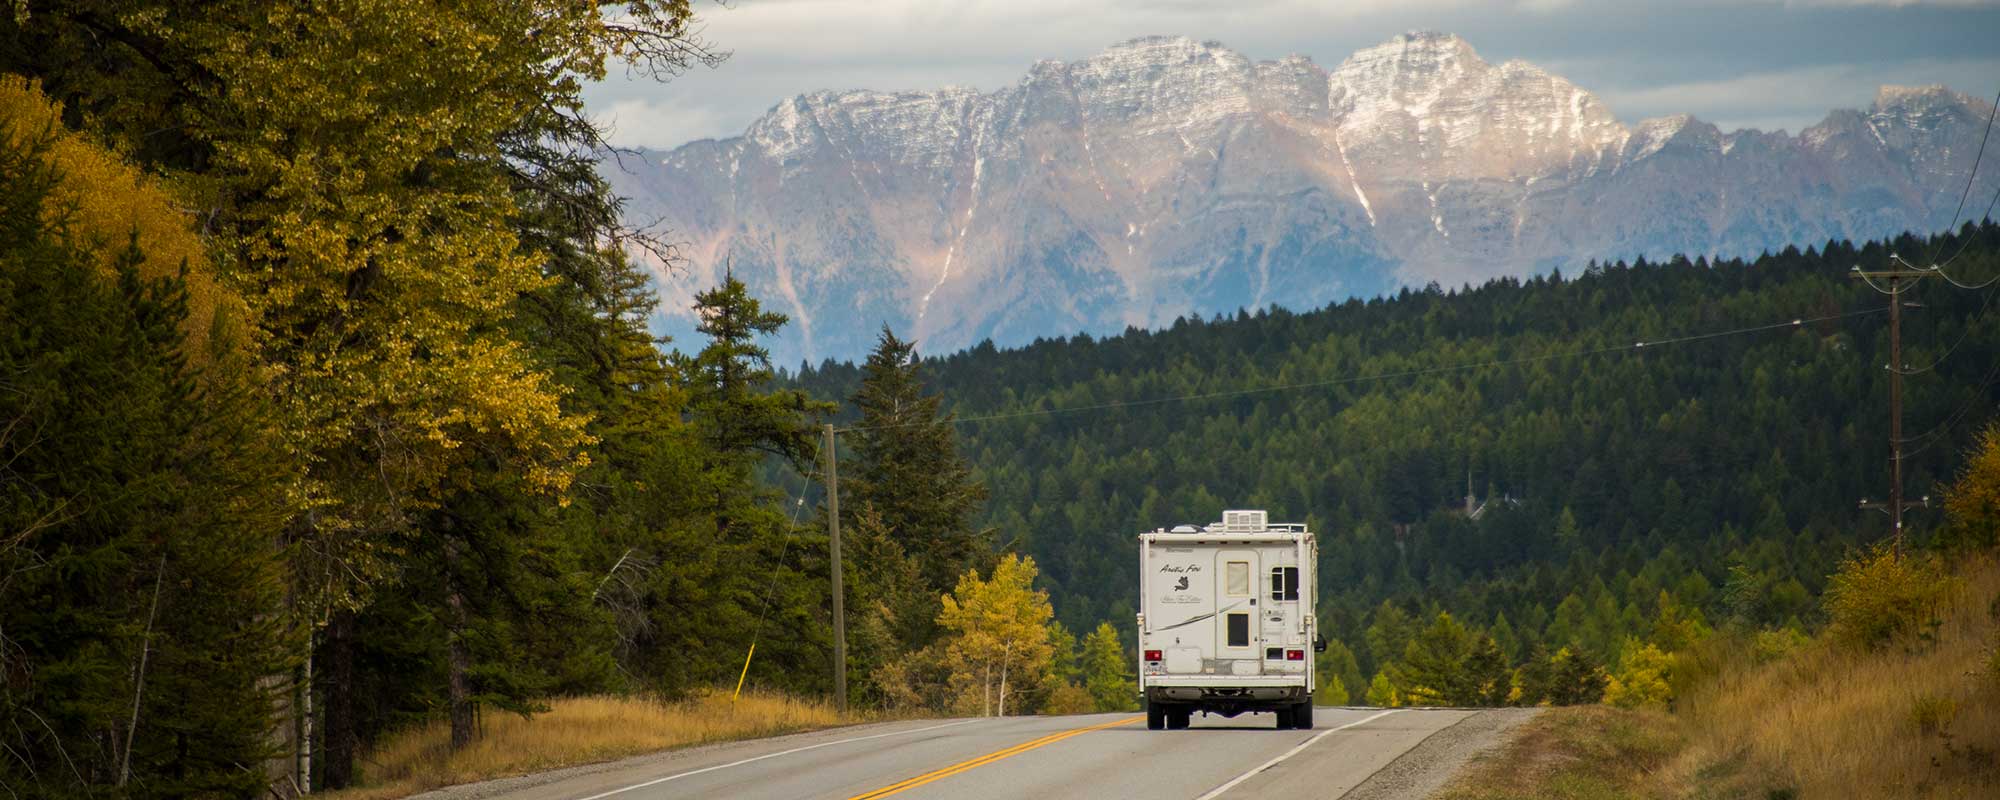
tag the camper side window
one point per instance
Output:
(1284, 583)
(1237, 575)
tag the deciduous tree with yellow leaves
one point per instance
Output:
(997, 634)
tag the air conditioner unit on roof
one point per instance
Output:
(1244, 521)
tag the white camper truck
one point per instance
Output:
(1226, 621)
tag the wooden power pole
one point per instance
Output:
(832, 462)
(1899, 279)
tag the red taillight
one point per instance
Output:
(1152, 655)
(1295, 655)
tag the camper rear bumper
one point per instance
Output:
(1239, 688)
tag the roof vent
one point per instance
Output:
(1243, 521)
(1185, 529)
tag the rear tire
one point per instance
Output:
(1156, 716)
(1302, 716)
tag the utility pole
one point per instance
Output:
(839, 594)
(1896, 276)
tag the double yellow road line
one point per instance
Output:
(962, 766)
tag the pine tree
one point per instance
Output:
(1433, 670)
(1339, 674)
(140, 481)
(909, 469)
(1382, 692)
(1575, 678)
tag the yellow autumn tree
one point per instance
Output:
(1644, 678)
(997, 634)
(110, 204)
(1973, 501)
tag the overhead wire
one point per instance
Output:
(1381, 376)
(1970, 176)
(771, 586)
(1966, 242)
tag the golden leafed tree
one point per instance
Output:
(997, 634)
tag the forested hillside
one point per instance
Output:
(1713, 479)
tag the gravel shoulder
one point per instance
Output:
(1426, 768)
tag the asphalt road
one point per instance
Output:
(1090, 756)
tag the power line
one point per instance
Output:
(1995, 109)
(1966, 242)
(771, 586)
(1938, 432)
(1970, 323)
(1381, 376)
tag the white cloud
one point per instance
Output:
(659, 123)
(1793, 99)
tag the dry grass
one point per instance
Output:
(575, 731)
(1910, 720)
(1573, 753)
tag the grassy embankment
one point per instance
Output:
(575, 731)
(1919, 718)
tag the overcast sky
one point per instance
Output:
(1775, 64)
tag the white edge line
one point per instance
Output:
(1217, 791)
(680, 775)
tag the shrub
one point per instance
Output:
(1774, 644)
(1643, 679)
(1878, 597)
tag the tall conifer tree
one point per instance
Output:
(909, 468)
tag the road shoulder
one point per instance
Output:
(1423, 770)
(603, 776)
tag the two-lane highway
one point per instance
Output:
(1093, 756)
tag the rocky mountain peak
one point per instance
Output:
(1167, 176)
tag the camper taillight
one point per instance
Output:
(1295, 655)
(1152, 655)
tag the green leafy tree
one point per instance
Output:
(1107, 673)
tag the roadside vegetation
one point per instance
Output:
(575, 731)
(1577, 753)
(1896, 696)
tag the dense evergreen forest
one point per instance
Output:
(1615, 484)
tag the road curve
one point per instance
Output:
(1093, 756)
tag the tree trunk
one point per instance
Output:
(1009, 656)
(341, 734)
(986, 692)
(459, 661)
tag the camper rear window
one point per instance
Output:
(1237, 574)
(1284, 583)
(1239, 630)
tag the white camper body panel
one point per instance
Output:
(1226, 615)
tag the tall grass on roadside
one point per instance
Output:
(575, 731)
(1573, 753)
(1902, 709)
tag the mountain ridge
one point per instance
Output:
(1165, 176)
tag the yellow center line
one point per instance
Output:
(962, 766)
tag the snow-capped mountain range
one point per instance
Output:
(1165, 177)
